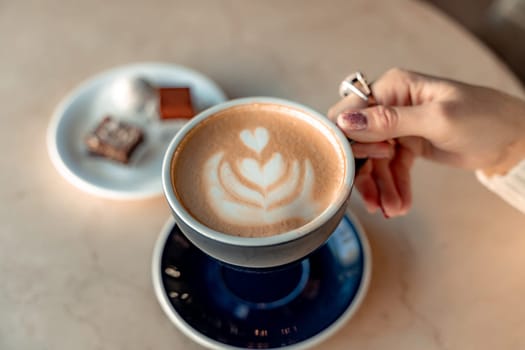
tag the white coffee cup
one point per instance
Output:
(274, 250)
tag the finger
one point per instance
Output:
(400, 167)
(400, 87)
(366, 186)
(350, 102)
(397, 87)
(381, 123)
(389, 198)
(373, 150)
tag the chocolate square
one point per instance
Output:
(175, 103)
(114, 140)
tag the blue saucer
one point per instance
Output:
(223, 306)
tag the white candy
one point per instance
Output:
(132, 95)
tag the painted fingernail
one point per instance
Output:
(352, 121)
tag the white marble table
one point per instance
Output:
(76, 268)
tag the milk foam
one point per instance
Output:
(257, 170)
(284, 190)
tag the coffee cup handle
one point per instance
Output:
(359, 163)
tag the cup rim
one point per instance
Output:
(182, 214)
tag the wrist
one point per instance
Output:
(514, 152)
(512, 156)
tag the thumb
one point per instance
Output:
(380, 123)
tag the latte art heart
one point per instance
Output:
(263, 175)
(280, 191)
(256, 140)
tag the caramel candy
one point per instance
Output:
(114, 140)
(175, 103)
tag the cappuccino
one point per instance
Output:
(257, 170)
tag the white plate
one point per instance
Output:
(81, 110)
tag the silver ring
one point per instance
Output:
(356, 83)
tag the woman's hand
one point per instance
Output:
(445, 121)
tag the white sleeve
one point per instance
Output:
(510, 187)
